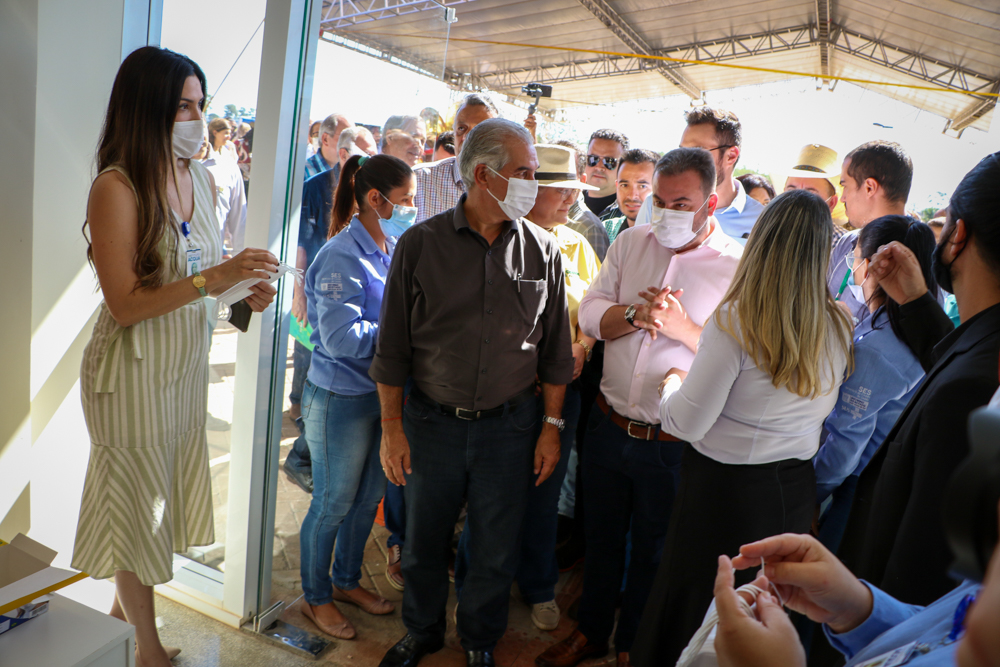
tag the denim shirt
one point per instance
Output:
(886, 373)
(344, 294)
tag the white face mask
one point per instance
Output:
(187, 138)
(671, 228)
(315, 142)
(520, 197)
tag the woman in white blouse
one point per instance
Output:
(767, 373)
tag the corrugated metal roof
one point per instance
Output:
(935, 43)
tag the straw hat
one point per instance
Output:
(816, 161)
(557, 168)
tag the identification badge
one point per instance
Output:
(895, 658)
(193, 261)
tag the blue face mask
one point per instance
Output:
(402, 218)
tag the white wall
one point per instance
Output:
(58, 67)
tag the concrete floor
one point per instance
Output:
(207, 643)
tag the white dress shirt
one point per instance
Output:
(634, 364)
(730, 411)
(230, 197)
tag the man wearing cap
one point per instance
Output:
(631, 467)
(538, 572)
(816, 170)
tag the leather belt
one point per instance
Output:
(635, 429)
(475, 415)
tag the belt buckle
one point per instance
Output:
(648, 427)
(467, 415)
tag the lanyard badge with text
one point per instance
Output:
(192, 254)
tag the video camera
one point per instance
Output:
(536, 90)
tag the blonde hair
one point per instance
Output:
(780, 298)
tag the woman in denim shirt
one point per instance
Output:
(886, 373)
(340, 405)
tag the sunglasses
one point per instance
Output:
(609, 162)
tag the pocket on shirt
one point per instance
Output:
(532, 295)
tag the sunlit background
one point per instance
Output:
(778, 118)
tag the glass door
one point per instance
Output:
(257, 60)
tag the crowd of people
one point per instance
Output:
(606, 353)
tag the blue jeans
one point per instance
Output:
(344, 434)
(833, 522)
(489, 462)
(538, 571)
(631, 483)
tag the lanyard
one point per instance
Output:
(904, 654)
(843, 285)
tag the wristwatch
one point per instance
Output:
(587, 350)
(558, 423)
(630, 315)
(199, 282)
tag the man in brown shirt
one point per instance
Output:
(474, 311)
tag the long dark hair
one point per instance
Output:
(137, 137)
(916, 236)
(359, 176)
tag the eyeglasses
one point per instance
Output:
(609, 162)
(852, 262)
(722, 147)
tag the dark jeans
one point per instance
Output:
(394, 511)
(299, 458)
(490, 463)
(301, 356)
(630, 483)
(538, 571)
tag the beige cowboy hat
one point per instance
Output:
(816, 161)
(557, 168)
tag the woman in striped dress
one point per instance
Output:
(156, 249)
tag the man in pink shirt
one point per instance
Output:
(657, 287)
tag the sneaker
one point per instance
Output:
(545, 615)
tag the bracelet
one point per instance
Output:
(391, 419)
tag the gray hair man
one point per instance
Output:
(439, 184)
(683, 254)
(400, 144)
(412, 125)
(329, 134)
(474, 311)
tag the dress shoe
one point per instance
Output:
(570, 651)
(623, 660)
(394, 568)
(301, 478)
(479, 659)
(408, 652)
(341, 630)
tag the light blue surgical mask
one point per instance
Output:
(856, 290)
(402, 218)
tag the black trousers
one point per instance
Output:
(719, 507)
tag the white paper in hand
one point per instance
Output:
(242, 290)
